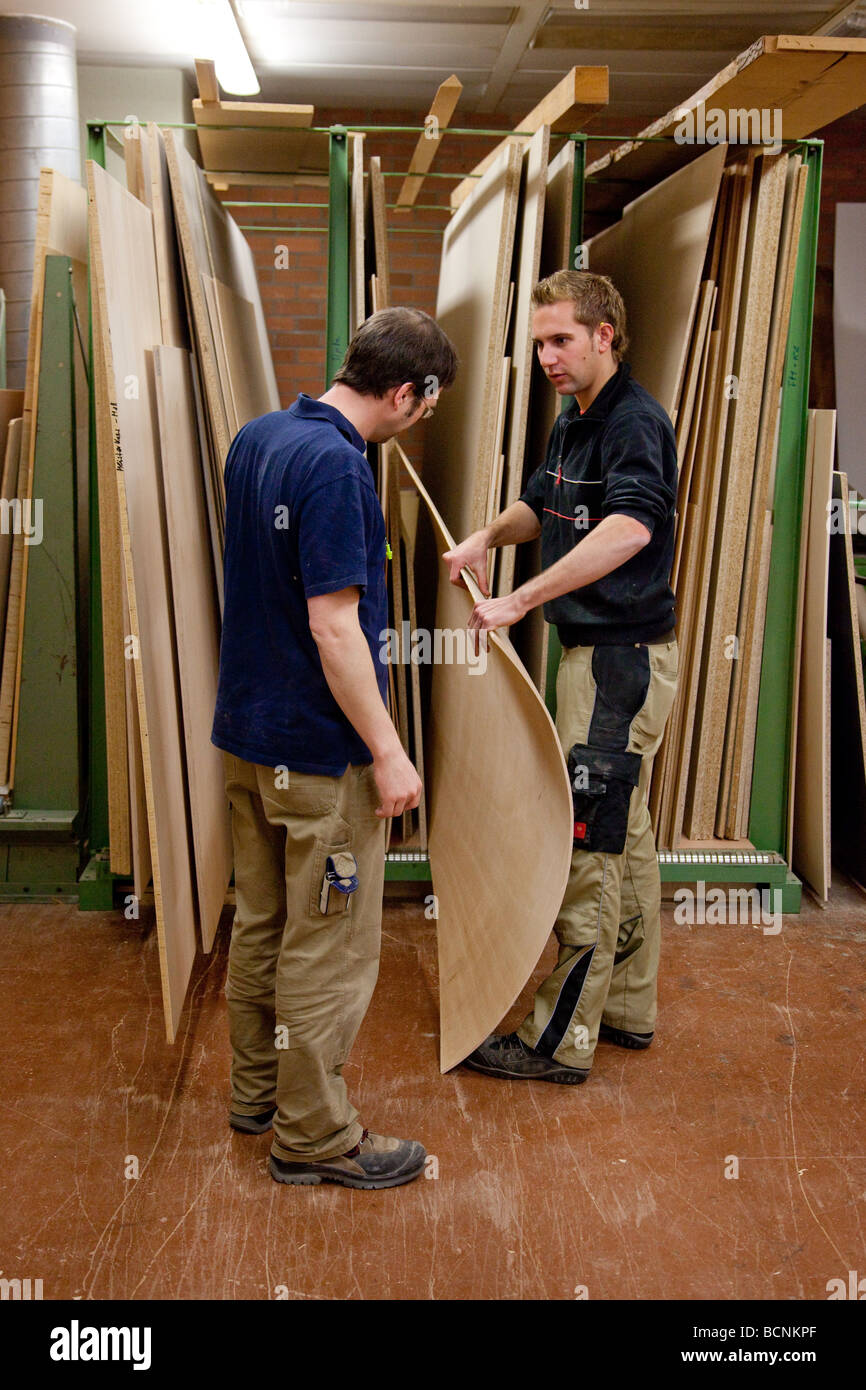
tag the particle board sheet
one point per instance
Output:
(172, 308)
(848, 752)
(527, 264)
(474, 279)
(213, 244)
(656, 264)
(811, 801)
(492, 744)
(124, 266)
(197, 627)
(409, 503)
(810, 80)
(682, 417)
(737, 481)
(849, 338)
(731, 260)
(115, 626)
(745, 683)
(61, 230)
(380, 230)
(531, 635)
(142, 864)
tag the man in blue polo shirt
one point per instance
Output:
(314, 765)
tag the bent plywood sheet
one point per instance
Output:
(493, 746)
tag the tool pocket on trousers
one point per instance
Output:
(320, 864)
(601, 788)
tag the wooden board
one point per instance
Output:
(569, 106)
(527, 262)
(656, 265)
(197, 627)
(212, 244)
(471, 305)
(531, 636)
(11, 439)
(737, 481)
(142, 864)
(812, 80)
(493, 745)
(172, 310)
(114, 626)
(811, 802)
(357, 312)
(409, 502)
(124, 266)
(296, 150)
(848, 752)
(745, 685)
(393, 518)
(380, 231)
(435, 124)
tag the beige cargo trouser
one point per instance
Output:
(612, 707)
(299, 982)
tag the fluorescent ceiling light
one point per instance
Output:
(218, 37)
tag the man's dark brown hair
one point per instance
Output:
(397, 345)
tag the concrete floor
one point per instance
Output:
(614, 1189)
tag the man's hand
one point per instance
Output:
(497, 612)
(470, 554)
(398, 783)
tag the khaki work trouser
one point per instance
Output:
(610, 701)
(299, 982)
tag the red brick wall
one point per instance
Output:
(294, 299)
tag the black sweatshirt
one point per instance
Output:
(619, 457)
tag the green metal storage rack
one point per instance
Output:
(80, 835)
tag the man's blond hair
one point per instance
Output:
(596, 300)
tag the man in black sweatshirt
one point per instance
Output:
(604, 503)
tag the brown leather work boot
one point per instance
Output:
(374, 1162)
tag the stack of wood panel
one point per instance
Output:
(181, 362)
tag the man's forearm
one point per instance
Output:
(614, 541)
(351, 677)
(518, 523)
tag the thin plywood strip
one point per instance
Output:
(114, 628)
(811, 832)
(197, 625)
(409, 502)
(492, 743)
(172, 310)
(527, 263)
(124, 265)
(474, 279)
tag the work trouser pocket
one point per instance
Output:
(601, 786)
(321, 856)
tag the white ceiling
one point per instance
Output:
(356, 54)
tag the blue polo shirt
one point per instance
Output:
(302, 519)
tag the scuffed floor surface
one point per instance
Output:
(614, 1189)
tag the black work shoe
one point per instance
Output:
(507, 1055)
(253, 1124)
(374, 1162)
(635, 1041)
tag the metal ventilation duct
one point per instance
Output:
(38, 129)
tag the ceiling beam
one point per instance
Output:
(520, 34)
(657, 35)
